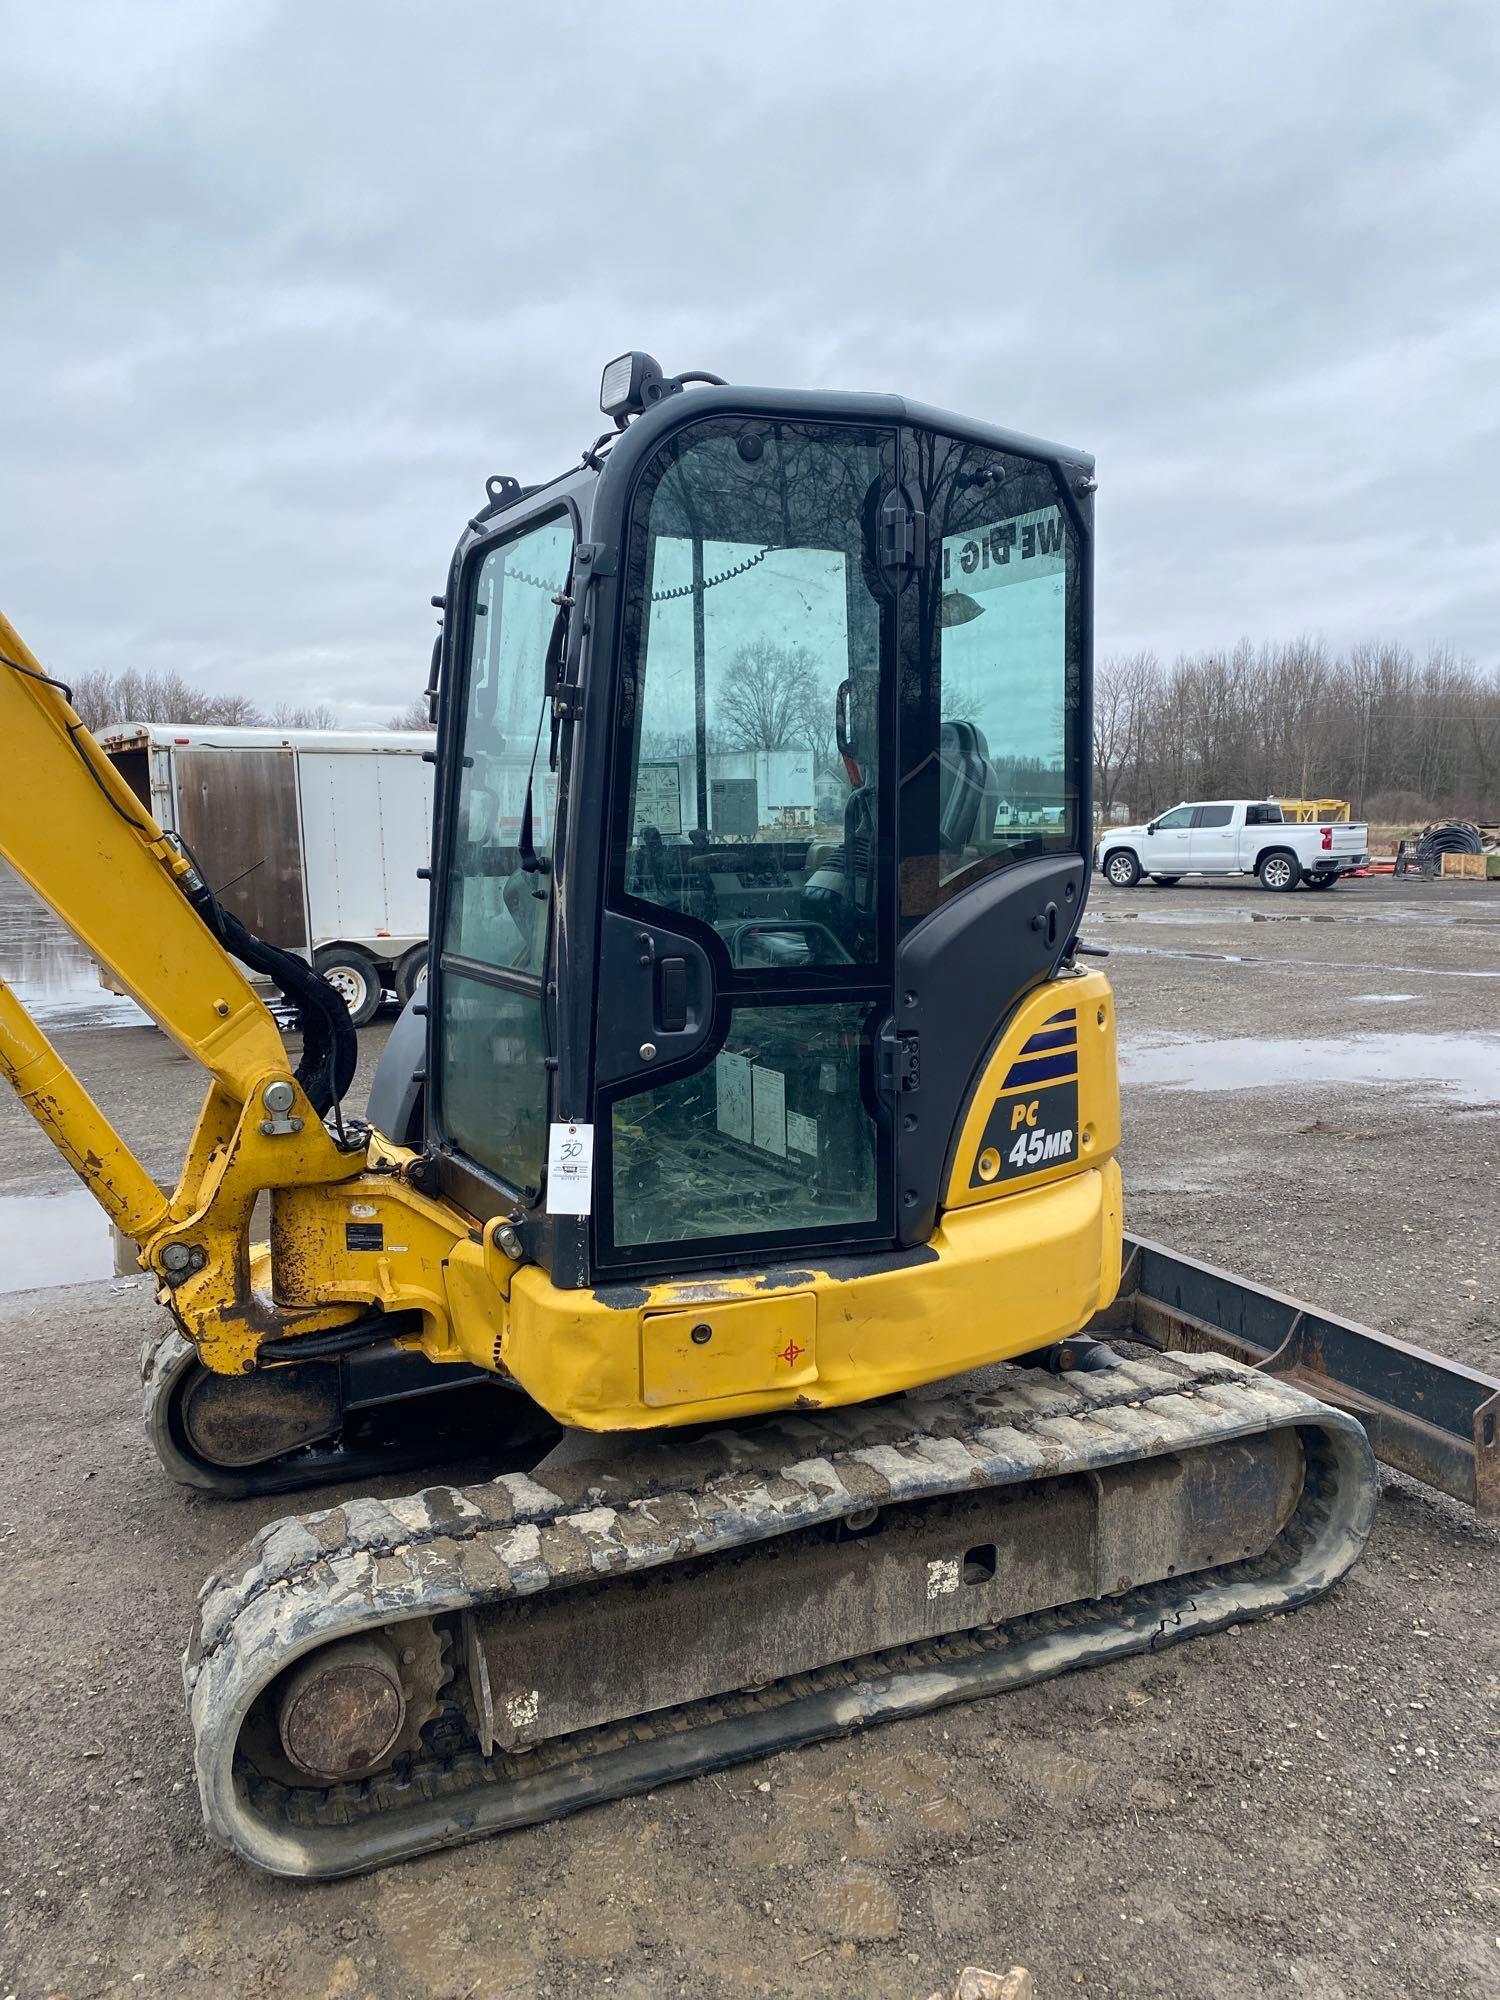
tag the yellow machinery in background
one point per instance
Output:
(1305, 812)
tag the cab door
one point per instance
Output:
(1213, 842)
(488, 1022)
(994, 764)
(745, 959)
(1166, 849)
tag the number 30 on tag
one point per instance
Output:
(570, 1169)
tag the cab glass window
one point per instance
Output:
(497, 911)
(491, 1080)
(772, 1136)
(494, 1076)
(1213, 815)
(752, 692)
(1002, 624)
(1177, 817)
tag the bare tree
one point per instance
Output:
(136, 696)
(770, 698)
(320, 715)
(1123, 689)
(413, 716)
(1370, 725)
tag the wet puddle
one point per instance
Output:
(1300, 964)
(1462, 1067)
(53, 976)
(1201, 919)
(53, 1239)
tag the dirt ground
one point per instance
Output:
(1308, 1806)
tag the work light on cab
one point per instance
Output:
(631, 383)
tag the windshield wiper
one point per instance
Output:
(533, 863)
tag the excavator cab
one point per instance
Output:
(722, 901)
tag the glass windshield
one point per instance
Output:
(497, 912)
(754, 746)
(1007, 646)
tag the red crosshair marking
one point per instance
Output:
(789, 1353)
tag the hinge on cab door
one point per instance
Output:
(903, 534)
(899, 1060)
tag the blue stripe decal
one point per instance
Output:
(1041, 1069)
(1051, 1038)
(1067, 1014)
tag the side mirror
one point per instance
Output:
(1151, 826)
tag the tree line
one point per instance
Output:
(1402, 739)
(103, 699)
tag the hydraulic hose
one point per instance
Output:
(330, 1047)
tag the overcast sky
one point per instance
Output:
(284, 283)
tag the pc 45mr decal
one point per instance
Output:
(1034, 1122)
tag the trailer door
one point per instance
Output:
(237, 811)
(366, 830)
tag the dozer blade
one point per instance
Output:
(391, 1677)
(1433, 1418)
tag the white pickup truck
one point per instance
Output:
(1232, 837)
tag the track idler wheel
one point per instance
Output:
(342, 1712)
(351, 1709)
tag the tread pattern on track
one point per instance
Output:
(304, 1581)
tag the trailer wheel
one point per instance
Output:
(411, 972)
(1280, 869)
(1121, 868)
(1166, 881)
(1319, 881)
(353, 975)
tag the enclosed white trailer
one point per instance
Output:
(312, 836)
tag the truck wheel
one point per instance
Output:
(353, 975)
(1166, 881)
(1121, 869)
(1279, 869)
(411, 972)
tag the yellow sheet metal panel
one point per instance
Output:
(715, 1349)
(999, 1278)
(1047, 1104)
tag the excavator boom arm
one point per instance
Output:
(73, 829)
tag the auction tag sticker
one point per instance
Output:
(570, 1169)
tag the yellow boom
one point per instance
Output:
(74, 830)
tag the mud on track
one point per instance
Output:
(1310, 1806)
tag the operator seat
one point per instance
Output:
(967, 780)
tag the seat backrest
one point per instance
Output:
(966, 778)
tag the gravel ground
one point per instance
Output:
(1310, 1806)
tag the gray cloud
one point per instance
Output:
(284, 283)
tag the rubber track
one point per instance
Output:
(303, 1582)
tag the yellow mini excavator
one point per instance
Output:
(764, 1083)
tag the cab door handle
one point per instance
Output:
(1046, 922)
(671, 995)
